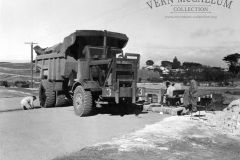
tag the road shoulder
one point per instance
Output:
(173, 138)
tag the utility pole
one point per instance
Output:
(31, 61)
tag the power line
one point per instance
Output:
(95, 17)
(119, 17)
(110, 20)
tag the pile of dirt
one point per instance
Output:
(228, 120)
(228, 97)
(173, 138)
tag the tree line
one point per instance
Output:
(201, 72)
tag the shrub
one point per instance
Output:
(226, 83)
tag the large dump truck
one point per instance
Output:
(90, 68)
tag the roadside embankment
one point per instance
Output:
(228, 120)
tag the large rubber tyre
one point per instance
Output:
(60, 99)
(46, 94)
(82, 101)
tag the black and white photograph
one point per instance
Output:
(120, 80)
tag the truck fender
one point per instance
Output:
(88, 85)
(91, 85)
(75, 86)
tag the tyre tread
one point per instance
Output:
(87, 101)
(50, 94)
(60, 100)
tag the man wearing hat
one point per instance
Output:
(169, 93)
(27, 102)
(193, 95)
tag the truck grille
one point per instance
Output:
(124, 76)
(124, 66)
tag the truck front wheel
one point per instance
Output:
(82, 102)
(46, 94)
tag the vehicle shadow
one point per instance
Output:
(121, 111)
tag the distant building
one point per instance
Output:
(225, 69)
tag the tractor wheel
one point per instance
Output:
(60, 99)
(82, 102)
(46, 94)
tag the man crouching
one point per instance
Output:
(27, 102)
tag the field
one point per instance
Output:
(16, 72)
(26, 66)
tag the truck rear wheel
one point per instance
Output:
(60, 99)
(82, 102)
(46, 94)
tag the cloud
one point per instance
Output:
(201, 33)
(234, 44)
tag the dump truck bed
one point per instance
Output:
(81, 38)
(58, 60)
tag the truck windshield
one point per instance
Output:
(115, 53)
(96, 52)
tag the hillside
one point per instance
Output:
(26, 66)
(16, 72)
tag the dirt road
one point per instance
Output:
(173, 138)
(46, 133)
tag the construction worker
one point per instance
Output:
(170, 90)
(27, 102)
(169, 93)
(193, 95)
(191, 98)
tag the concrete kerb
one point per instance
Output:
(168, 110)
(155, 107)
(10, 110)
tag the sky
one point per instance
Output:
(201, 32)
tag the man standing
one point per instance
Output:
(169, 94)
(27, 102)
(170, 90)
(193, 94)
